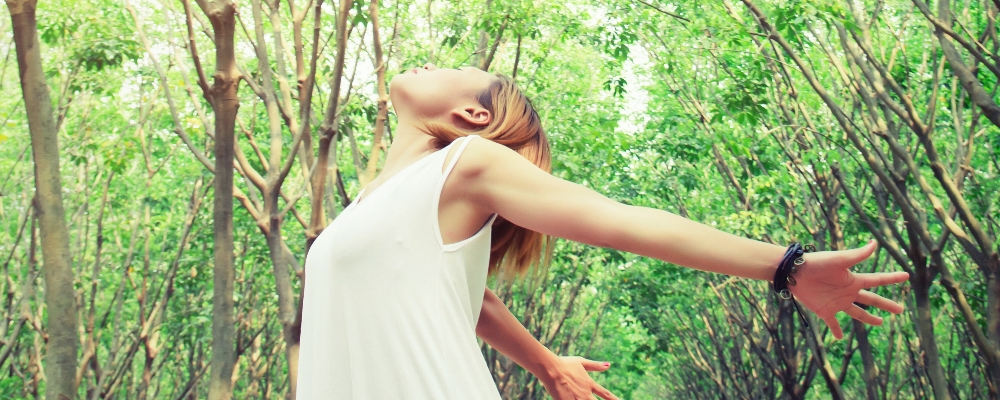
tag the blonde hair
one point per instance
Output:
(515, 124)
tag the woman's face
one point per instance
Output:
(432, 93)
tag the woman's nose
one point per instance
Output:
(430, 67)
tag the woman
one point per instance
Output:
(396, 284)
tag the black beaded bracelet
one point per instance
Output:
(783, 276)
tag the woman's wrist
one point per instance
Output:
(546, 367)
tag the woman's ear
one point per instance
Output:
(471, 117)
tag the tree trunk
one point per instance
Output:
(225, 104)
(61, 348)
(924, 325)
(871, 373)
(276, 173)
(328, 129)
(383, 96)
(993, 315)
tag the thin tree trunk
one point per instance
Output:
(923, 320)
(276, 173)
(488, 60)
(870, 375)
(484, 38)
(225, 104)
(383, 96)
(329, 128)
(61, 347)
(92, 334)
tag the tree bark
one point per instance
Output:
(925, 330)
(383, 96)
(61, 348)
(225, 104)
(329, 128)
(484, 37)
(276, 173)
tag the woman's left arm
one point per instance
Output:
(498, 180)
(563, 377)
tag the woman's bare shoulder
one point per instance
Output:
(483, 155)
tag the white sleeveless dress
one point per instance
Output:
(390, 311)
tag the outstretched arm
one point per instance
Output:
(497, 179)
(563, 377)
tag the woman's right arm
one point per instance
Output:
(563, 377)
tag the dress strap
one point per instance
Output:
(454, 159)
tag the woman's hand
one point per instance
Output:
(826, 285)
(565, 378)
(568, 379)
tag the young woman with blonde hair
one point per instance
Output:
(396, 290)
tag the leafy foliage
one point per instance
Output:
(701, 113)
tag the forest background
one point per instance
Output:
(202, 146)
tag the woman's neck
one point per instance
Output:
(409, 144)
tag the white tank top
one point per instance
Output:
(390, 311)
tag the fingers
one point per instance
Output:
(862, 315)
(834, 325)
(595, 366)
(604, 393)
(862, 253)
(874, 300)
(883, 278)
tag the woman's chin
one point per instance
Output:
(400, 81)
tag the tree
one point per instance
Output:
(61, 350)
